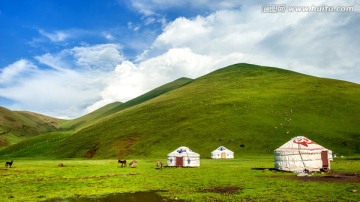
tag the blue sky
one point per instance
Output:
(65, 58)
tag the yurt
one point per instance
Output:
(222, 153)
(300, 154)
(183, 157)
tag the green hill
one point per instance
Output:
(88, 118)
(152, 94)
(247, 108)
(16, 126)
(112, 108)
(42, 144)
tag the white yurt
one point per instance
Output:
(183, 157)
(222, 153)
(301, 153)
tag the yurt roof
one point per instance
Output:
(301, 143)
(183, 151)
(222, 149)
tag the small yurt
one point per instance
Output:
(183, 157)
(222, 153)
(301, 153)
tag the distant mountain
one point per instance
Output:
(16, 126)
(247, 108)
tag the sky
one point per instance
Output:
(66, 58)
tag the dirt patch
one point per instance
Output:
(3, 142)
(124, 145)
(340, 177)
(223, 190)
(91, 153)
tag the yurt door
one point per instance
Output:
(223, 155)
(179, 161)
(325, 159)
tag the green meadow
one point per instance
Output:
(240, 179)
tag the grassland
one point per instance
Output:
(240, 179)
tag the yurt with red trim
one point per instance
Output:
(302, 154)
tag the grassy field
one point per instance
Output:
(240, 179)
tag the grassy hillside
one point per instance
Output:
(19, 125)
(118, 106)
(39, 145)
(247, 108)
(152, 94)
(97, 114)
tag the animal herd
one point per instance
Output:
(133, 164)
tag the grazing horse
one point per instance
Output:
(159, 164)
(123, 162)
(133, 164)
(9, 163)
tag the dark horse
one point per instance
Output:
(9, 163)
(123, 162)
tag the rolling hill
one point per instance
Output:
(247, 108)
(16, 126)
(88, 118)
(118, 106)
(46, 139)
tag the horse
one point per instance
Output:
(159, 164)
(9, 163)
(133, 164)
(123, 162)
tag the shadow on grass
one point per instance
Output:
(264, 169)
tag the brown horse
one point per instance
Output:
(123, 162)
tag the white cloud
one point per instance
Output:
(73, 80)
(57, 36)
(313, 43)
(53, 92)
(108, 36)
(152, 7)
(21, 67)
(103, 56)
